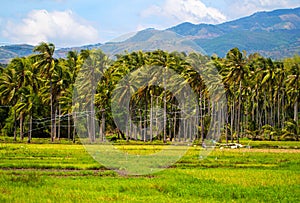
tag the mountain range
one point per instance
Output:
(274, 34)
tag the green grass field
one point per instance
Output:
(67, 173)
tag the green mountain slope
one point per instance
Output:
(151, 39)
(274, 34)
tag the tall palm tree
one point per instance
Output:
(195, 78)
(46, 62)
(292, 66)
(94, 63)
(237, 73)
(71, 68)
(120, 70)
(164, 60)
(8, 92)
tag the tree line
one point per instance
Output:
(44, 96)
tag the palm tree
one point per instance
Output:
(164, 60)
(46, 62)
(94, 63)
(292, 66)
(123, 66)
(16, 78)
(62, 79)
(70, 67)
(195, 78)
(237, 73)
(8, 92)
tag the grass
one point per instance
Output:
(66, 173)
(272, 144)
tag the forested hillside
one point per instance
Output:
(273, 34)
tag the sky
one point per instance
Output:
(80, 22)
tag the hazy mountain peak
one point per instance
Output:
(152, 39)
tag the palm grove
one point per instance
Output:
(38, 91)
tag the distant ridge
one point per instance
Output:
(274, 34)
(11, 51)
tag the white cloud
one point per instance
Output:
(240, 8)
(194, 11)
(60, 27)
(272, 3)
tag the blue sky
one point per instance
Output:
(78, 22)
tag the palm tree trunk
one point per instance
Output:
(102, 126)
(278, 109)
(282, 110)
(213, 119)
(235, 116)
(151, 118)
(141, 126)
(101, 129)
(296, 111)
(253, 111)
(52, 109)
(21, 126)
(232, 120)
(130, 127)
(69, 126)
(92, 121)
(135, 131)
(126, 129)
(202, 113)
(74, 127)
(156, 119)
(165, 113)
(175, 123)
(58, 128)
(220, 118)
(103, 120)
(145, 117)
(190, 131)
(226, 129)
(271, 115)
(239, 113)
(88, 127)
(257, 110)
(55, 124)
(15, 126)
(30, 129)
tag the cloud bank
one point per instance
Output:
(240, 8)
(60, 27)
(194, 11)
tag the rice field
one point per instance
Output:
(267, 172)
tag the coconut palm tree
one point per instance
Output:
(70, 67)
(8, 92)
(46, 63)
(292, 66)
(94, 63)
(165, 60)
(237, 73)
